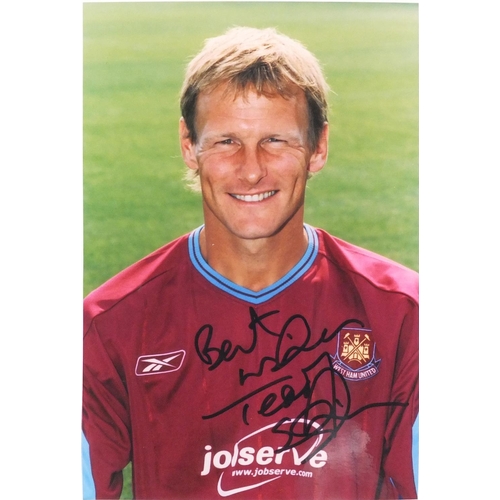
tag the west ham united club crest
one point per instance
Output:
(355, 356)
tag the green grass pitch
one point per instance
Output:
(134, 59)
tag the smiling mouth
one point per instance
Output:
(252, 198)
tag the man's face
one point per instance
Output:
(253, 158)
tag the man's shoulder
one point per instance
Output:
(161, 262)
(374, 269)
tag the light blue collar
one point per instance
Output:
(243, 293)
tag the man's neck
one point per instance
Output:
(254, 264)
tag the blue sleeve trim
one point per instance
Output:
(415, 451)
(87, 479)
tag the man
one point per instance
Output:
(257, 357)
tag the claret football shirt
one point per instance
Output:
(307, 389)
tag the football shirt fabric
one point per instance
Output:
(307, 389)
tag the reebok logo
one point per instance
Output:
(154, 364)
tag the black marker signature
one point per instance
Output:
(323, 391)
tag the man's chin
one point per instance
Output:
(257, 231)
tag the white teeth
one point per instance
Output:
(254, 197)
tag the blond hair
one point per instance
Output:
(261, 59)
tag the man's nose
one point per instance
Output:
(252, 168)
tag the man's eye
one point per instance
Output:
(225, 142)
(274, 142)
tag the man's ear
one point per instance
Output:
(320, 154)
(187, 147)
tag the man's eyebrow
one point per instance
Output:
(215, 135)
